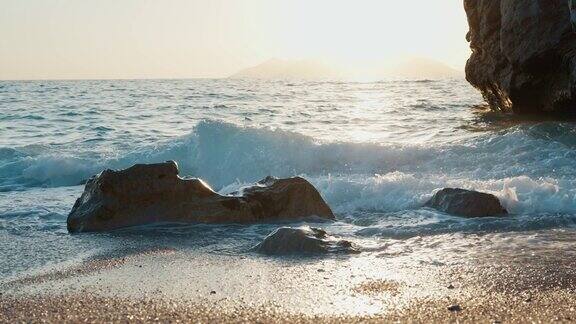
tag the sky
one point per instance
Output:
(124, 39)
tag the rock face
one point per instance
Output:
(305, 240)
(466, 203)
(523, 54)
(145, 194)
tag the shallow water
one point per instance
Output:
(375, 150)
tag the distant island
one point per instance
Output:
(289, 69)
(412, 68)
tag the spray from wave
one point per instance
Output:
(522, 166)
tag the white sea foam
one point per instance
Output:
(351, 176)
(398, 191)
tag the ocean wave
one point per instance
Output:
(221, 153)
(397, 191)
(528, 168)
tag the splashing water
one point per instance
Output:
(376, 151)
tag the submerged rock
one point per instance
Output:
(523, 54)
(466, 203)
(305, 240)
(154, 193)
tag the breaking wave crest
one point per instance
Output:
(527, 171)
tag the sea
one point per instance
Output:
(376, 151)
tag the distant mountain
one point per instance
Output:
(423, 68)
(288, 69)
(412, 68)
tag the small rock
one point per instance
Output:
(302, 241)
(466, 203)
(454, 308)
(213, 292)
(450, 286)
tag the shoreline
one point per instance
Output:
(496, 283)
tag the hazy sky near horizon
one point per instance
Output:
(69, 39)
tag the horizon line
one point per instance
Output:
(220, 78)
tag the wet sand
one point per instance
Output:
(494, 284)
(543, 306)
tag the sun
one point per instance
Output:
(369, 31)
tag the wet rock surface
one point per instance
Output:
(523, 55)
(466, 203)
(154, 193)
(305, 240)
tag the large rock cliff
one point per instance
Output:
(523, 54)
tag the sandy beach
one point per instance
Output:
(501, 282)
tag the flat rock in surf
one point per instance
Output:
(304, 240)
(466, 203)
(154, 193)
